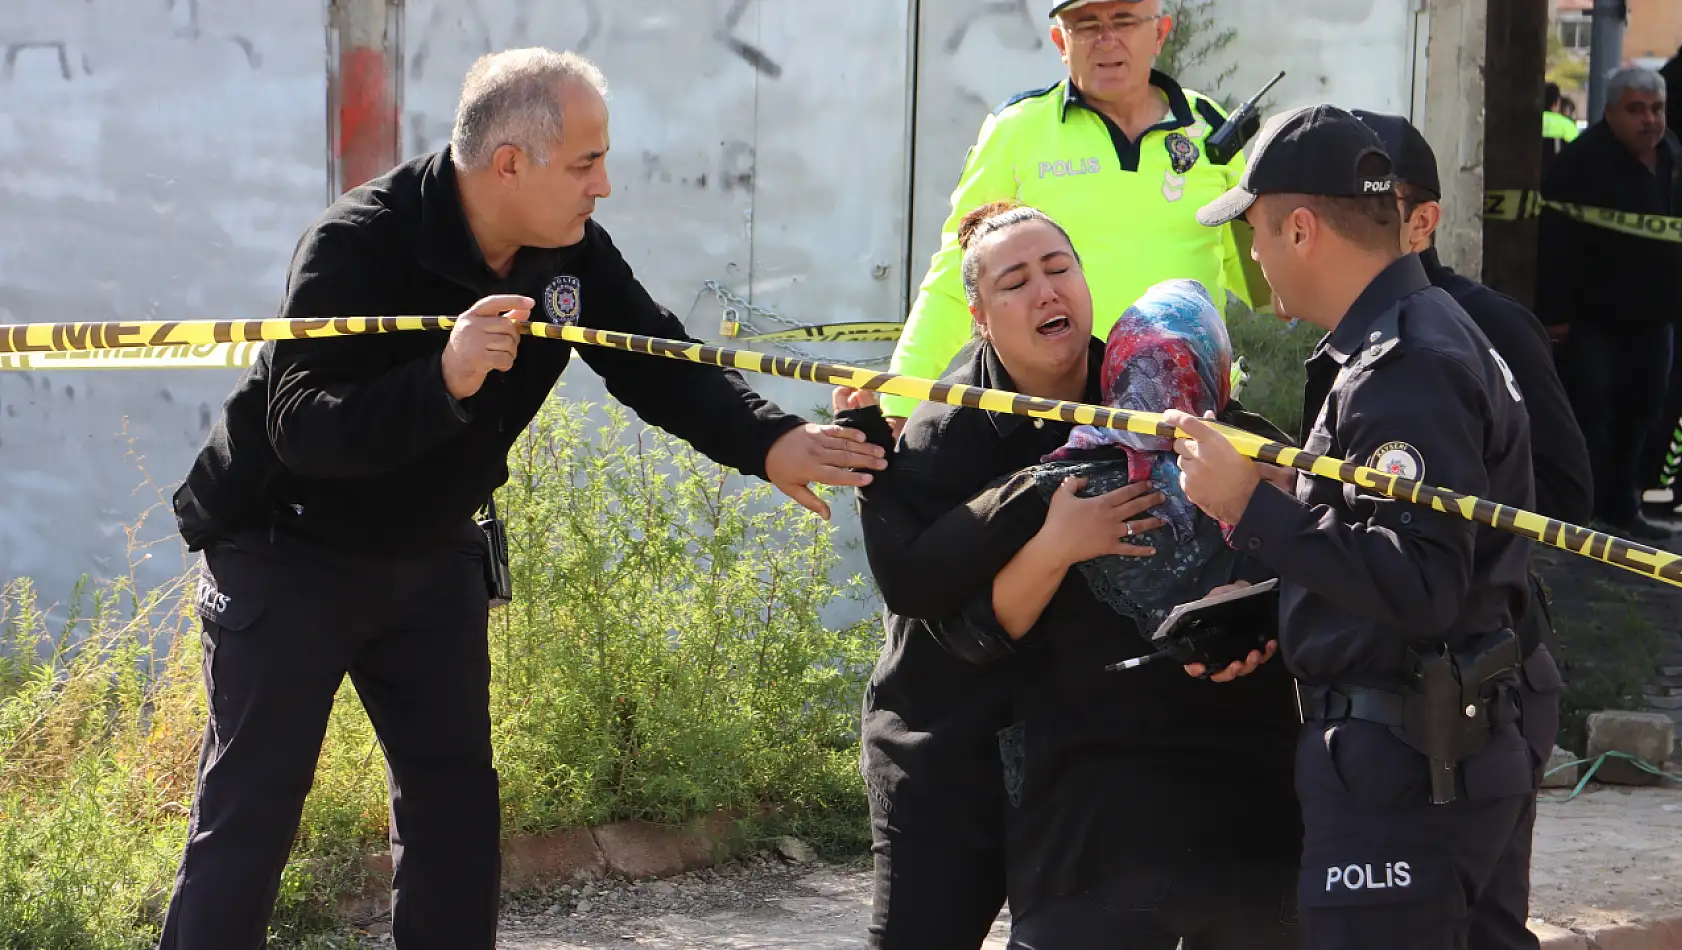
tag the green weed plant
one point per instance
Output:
(664, 659)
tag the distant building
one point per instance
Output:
(1654, 32)
(1652, 35)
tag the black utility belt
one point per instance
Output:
(1451, 701)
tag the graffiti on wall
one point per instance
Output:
(183, 22)
(735, 169)
(747, 52)
(453, 21)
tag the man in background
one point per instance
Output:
(1557, 128)
(1613, 298)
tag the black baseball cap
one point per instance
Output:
(1314, 150)
(1416, 164)
(1063, 6)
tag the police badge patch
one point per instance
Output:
(561, 300)
(1182, 154)
(1398, 460)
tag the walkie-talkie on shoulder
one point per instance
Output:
(1224, 144)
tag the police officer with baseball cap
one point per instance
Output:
(1412, 785)
(1564, 490)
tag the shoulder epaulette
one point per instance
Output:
(1030, 94)
(1382, 340)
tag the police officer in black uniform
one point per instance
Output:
(1412, 786)
(335, 499)
(1564, 490)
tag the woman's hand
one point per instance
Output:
(1080, 529)
(1235, 670)
(844, 398)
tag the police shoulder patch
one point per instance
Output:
(1399, 460)
(562, 300)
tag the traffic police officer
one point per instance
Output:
(1411, 786)
(1564, 490)
(334, 500)
(1115, 153)
(1557, 129)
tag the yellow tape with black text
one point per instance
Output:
(1511, 205)
(240, 355)
(38, 338)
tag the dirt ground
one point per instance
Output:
(1612, 855)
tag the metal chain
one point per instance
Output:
(739, 310)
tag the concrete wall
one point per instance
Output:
(1450, 97)
(157, 159)
(165, 163)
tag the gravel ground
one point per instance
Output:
(760, 902)
(764, 901)
(1611, 856)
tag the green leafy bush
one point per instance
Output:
(665, 658)
(1607, 648)
(1274, 353)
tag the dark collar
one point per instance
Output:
(1432, 263)
(446, 245)
(1599, 135)
(1441, 275)
(1371, 322)
(1438, 273)
(991, 375)
(1178, 105)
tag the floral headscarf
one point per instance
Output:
(1170, 350)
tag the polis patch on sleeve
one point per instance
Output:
(1399, 460)
(561, 300)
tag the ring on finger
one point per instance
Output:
(1130, 529)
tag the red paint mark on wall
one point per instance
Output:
(367, 144)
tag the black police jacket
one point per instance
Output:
(1120, 772)
(356, 443)
(1559, 454)
(1408, 385)
(1594, 276)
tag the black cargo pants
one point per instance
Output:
(284, 622)
(1499, 919)
(1382, 867)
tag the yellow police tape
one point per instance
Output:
(1513, 204)
(182, 356)
(823, 333)
(241, 355)
(1664, 566)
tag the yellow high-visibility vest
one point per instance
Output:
(1129, 207)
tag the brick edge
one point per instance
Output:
(1659, 933)
(633, 850)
